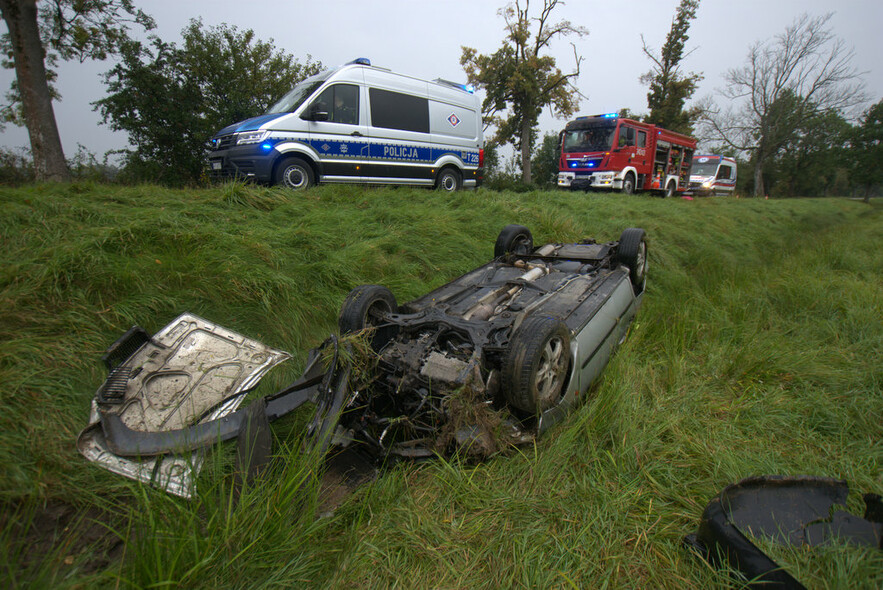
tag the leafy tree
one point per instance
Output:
(170, 100)
(786, 81)
(545, 161)
(669, 88)
(35, 38)
(866, 155)
(520, 81)
(813, 163)
(626, 113)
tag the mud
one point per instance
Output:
(56, 535)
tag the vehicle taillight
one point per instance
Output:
(481, 158)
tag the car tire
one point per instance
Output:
(669, 189)
(362, 307)
(514, 238)
(628, 184)
(535, 369)
(448, 180)
(632, 252)
(295, 174)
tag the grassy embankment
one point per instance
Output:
(759, 350)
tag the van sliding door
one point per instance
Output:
(401, 152)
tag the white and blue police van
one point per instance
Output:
(358, 123)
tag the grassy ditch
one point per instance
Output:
(759, 350)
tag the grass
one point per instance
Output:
(759, 350)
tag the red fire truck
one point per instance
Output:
(609, 152)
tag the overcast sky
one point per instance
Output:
(423, 38)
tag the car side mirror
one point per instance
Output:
(316, 113)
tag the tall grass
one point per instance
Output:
(759, 350)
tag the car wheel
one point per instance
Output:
(448, 180)
(295, 174)
(632, 252)
(669, 189)
(628, 184)
(364, 306)
(536, 367)
(516, 239)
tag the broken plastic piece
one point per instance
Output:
(790, 510)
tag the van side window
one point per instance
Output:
(724, 172)
(642, 139)
(341, 102)
(394, 110)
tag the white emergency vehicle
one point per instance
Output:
(712, 175)
(359, 123)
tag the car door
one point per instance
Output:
(339, 132)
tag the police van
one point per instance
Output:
(359, 123)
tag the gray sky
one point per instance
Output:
(423, 38)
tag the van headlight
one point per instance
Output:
(251, 137)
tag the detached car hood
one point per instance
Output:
(189, 372)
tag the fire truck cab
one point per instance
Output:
(608, 152)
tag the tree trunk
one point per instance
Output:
(758, 175)
(525, 151)
(30, 72)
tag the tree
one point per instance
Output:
(866, 154)
(59, 30)
(814, 162)
(520, 81)
(545, 161)
(221, 74)
(669, 88)
(786, 81)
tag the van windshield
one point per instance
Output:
(298, 94)
(591, 137)
(708, 167)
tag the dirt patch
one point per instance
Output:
(344, 472)
(56, 534)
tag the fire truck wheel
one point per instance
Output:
(669, 189)
(628, 184)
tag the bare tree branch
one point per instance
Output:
(802, 72)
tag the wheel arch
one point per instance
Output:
(295, 150)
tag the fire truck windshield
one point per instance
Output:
(591, 137)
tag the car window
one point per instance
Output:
(724, 172)
(394, 110)
(642, 139)
(341, 102)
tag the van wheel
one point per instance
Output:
(448, 180)
(669, 189)
(295, 174)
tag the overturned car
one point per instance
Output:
(490, 359)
